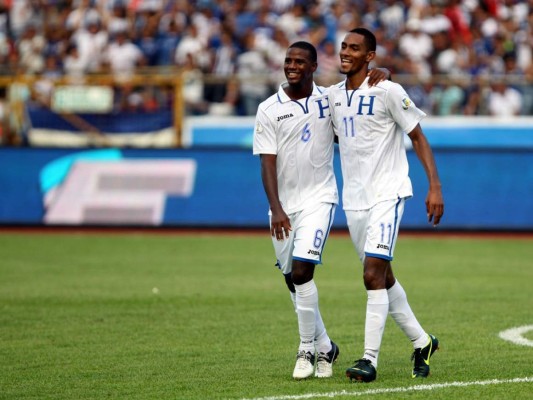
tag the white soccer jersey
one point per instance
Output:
(299, 133)
(370, 123)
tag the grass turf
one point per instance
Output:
(207, 316)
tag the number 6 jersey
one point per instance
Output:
(299, 133)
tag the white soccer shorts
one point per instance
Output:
(306, 241)
(374, 231)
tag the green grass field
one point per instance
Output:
(207, 316)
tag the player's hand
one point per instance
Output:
(376, 75)
(280, 225)
(434, 206)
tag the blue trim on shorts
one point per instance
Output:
(329, 230)
(388, 258)
(395, 224)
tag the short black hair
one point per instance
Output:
(370, 39)
(306, 46)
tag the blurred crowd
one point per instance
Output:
(470, 57)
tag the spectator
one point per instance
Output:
(149, 44)
(193, 87)
(450, 99)
(91, 42)
(293, 22)
(251, 70)
(192, 45)
(168, 40)
(425, 38)
(527, 108)
(30, 47)
(73, 65)
(5, 28)
(328, 63)
(391, 17)
(459, 24)
(56, 40)
(44, 86)
(432, 19)
(474, 104)
(117, 19)
(82, 15)
(455, 60)
(243, 18)
(224, 65)
(503, 100)
(23, 13)
(5, 50)
(415, 44)
(122, 56)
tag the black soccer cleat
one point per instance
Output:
(362, 371)
(421, 358)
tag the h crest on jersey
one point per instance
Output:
(406, 103)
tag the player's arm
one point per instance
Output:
(376, 75)
(434, 199)
(280, 224)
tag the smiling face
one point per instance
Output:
(355, 55)
(298, 66)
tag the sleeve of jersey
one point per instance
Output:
(403, 110)
(265, 140)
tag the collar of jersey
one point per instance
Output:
(364, 85)
(283, 98)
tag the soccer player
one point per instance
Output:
(370, 123)
(294, 139)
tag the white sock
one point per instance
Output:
(377, 309)
(322, 340)
(402, 314)
(293, 298)
(306, 306)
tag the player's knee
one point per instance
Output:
(375, 273)
(302, 272)
(302, 275)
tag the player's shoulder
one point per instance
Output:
(336, 88)
(270, 103)
(390, 86)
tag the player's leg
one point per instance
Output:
(380, 229)
(399, 309)
(311, 232)
(292, 289)
(306, 303)
(424, 344)
(362, 370)
(377, 306)
(283, 251)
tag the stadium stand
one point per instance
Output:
(454, 57)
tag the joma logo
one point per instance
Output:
(285, 116)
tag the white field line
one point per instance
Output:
(514, 335)
(415, 388)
